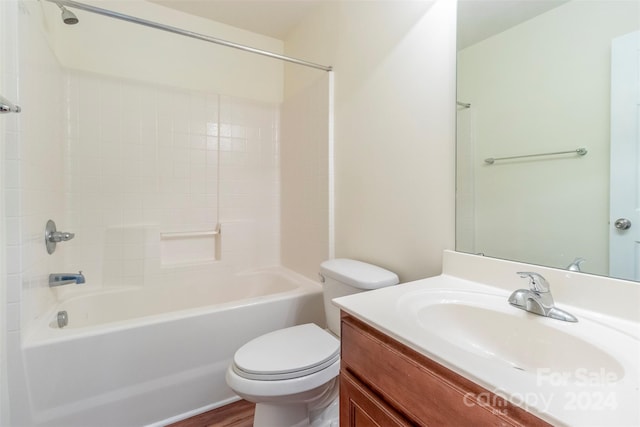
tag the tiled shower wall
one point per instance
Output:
(33, 178)
(142, 160)
(33, 166)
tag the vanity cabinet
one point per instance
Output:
(385, 383)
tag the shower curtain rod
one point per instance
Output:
(175, 30)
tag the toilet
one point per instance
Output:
(292, 374)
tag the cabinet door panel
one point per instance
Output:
(361, 408)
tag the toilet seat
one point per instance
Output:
(287, 354)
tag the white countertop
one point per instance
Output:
(592, 397)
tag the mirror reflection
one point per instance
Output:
(547, 145)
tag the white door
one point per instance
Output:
(624, 211)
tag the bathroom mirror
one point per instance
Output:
(537, 78)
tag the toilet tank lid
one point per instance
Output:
(358, 274)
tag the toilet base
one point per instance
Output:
(321, 411)
(327, 417)
(270, 415)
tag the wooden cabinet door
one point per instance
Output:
(359, 407)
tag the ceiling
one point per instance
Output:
(480, 19)
(273, 18)
(477, 19)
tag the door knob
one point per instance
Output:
(622, 224)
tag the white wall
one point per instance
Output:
(117, 48)
(394, 118)
(305, 177)
(524, 207)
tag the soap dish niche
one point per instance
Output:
(178, 248)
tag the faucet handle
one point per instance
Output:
(60, 236)
(537, 283)
(575, 264)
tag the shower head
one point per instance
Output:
(68, 17)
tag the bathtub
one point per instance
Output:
(148, 357)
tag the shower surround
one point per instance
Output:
(143, 161)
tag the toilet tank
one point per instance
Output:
(343, 276)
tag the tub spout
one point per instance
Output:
(59, 279)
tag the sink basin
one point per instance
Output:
(487, 326)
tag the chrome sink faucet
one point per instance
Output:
(59, 279)
(538, 299)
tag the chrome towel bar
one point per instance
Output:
(579, 151)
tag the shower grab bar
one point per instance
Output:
(188, 234)
(7, 106)
(579, 151)
(180, 31)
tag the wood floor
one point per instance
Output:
(238, 414)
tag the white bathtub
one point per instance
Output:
(135, 357)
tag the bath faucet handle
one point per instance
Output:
(52, 236)
(537, 283)
(61, 236)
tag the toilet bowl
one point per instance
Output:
(289, 372)
(292, 374)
